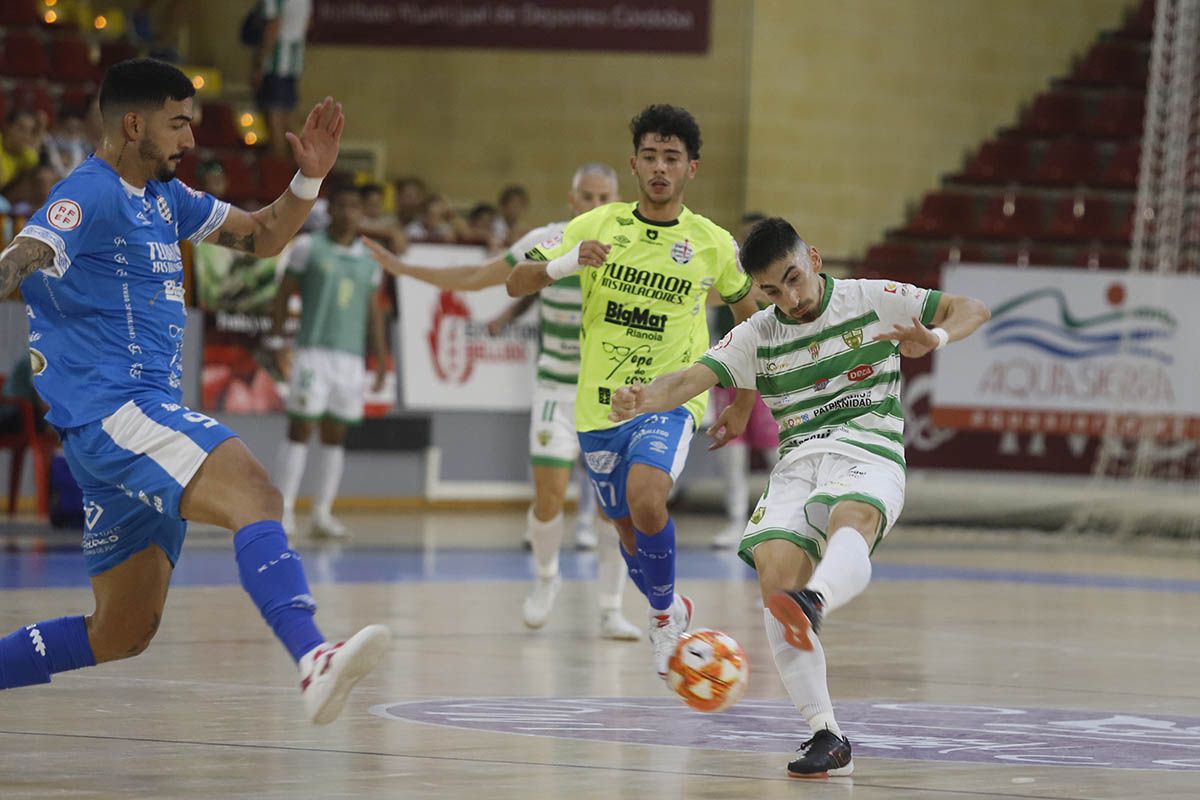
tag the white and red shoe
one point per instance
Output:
(665, 630)
(329, 671)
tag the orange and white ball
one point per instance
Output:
(708, 670)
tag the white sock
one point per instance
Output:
(332, 458)
(735, 458)
(611, 573)
(289, 470)
(546, 538)
(844, 571)
(803, 675)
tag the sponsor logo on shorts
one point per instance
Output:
(861, 372)
(758, 514)
(658, 446)
(854, 338)
(544, 437)
(602, 462)
(92, 511)
(64, 215)
(37, 361)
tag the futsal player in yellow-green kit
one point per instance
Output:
(646, 269)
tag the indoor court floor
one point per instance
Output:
(977, 665)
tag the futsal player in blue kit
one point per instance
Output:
(102, 277)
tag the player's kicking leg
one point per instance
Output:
(231, 489)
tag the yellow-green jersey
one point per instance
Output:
(644, 309)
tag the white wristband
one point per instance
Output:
(942, 337)
(304, 187)
(564, 265)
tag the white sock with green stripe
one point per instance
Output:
(845, 569)
(735, 457)
(289, 470)
(546, 538)
(803, 675)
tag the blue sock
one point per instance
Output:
(30, 655)
(273, 577)
(656, 557)
(634, 569)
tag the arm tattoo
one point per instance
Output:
(236, 242)
(22, 258)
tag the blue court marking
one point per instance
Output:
(216, 567)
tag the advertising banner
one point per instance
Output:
(449, 359)
(1072, 352)
(648, 26)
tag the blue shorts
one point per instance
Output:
(133, 466)
(656, 440)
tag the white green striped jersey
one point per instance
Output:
(830, 388)
(286, 59)
(561, 309)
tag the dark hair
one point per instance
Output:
(768, 241)
(667, 121)
(16, 113)
(411, 180)
(142, 82)
(370, 188)
(480, 210)
(511, 191)
(339, 183)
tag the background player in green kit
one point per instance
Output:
(646, 269)
(826, 359)
(336, 278)
(553, 445)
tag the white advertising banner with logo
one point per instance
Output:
(1069, 351)
(448, 359)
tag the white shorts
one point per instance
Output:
(326, 383)
(553, 441)
(802, 493)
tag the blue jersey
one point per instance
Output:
(106, 319)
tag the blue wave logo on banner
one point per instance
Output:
(1130, 332)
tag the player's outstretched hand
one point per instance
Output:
(390, 264)
(626, 402)
(316, 148)
(731, 423)
(915, 340)
(592, 253)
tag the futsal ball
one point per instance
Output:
(708, 670)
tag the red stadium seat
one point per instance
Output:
(1113, 63)
(1122, 169)
(36, 96)
(1081, 218)
(186, 171)
(274, 175)
(998, 161)
(1030, 255)
(943, 214)
(72, 59)
(116, 51)
(217, 127)
(1053, 114)
(1011, 216)
(1067, 162)
(24, 55)
(18, 13)
(1102, 258)
(961, 253)
(888, 257)
(1140, 23)
(1118, 116)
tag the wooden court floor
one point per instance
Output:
(977, 665)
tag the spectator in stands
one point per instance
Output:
(438, 222)
(69, 142)
(514, 204)
(411, 194)
(379, 223)
(29, 191)
(278, 64)
(481, 227)
(20, 144)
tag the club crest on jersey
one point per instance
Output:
(682, 252)
(854, 338)
(64, 215)
(814, 350)
(37, 361)
(164, 210)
